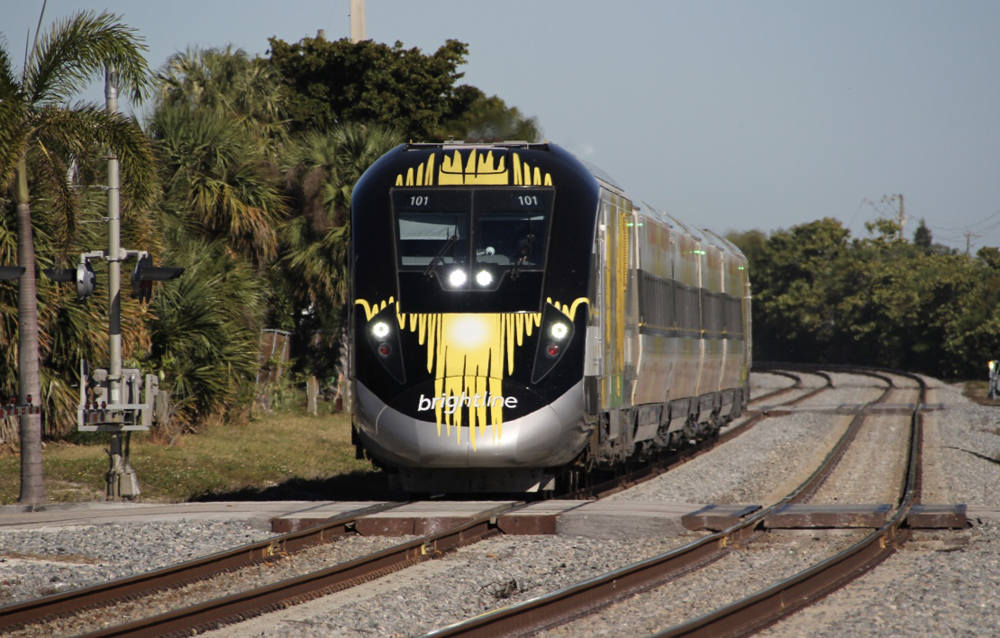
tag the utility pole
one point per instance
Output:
(902, 216)
(358, 21)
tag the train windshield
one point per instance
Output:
(472, 239)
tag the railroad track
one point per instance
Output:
(663, 462)
(750, 613)
(234, 608)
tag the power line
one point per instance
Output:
(969, 226)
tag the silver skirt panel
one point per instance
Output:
(549, 437)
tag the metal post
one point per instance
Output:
(114, 253)
(121, 480)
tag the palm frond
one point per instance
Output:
(75, 51)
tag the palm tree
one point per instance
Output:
(39, 129)
(321, 173)
(217, 128)
(218, 125)
(321, 170)
(228, 81)
(218, 181)
(206, 328)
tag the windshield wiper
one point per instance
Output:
(437, 258)
(525, 251)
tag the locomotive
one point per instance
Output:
(517, 321)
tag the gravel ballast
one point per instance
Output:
(942, 584)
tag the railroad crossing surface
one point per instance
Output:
(595, 519)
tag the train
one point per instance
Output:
(517, 323)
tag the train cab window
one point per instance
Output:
(491, 234)
(432, 227)
(426, 236)
(511, 227)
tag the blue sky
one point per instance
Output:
(731, 115)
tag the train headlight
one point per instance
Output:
(558, 331)
(457, 278)
(484, 278)
(380, 330)
(384, 339)
(554, 338)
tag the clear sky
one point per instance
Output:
(731, 115)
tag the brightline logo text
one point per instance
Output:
(451, 403)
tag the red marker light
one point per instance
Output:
(552, 350)
(384, 349)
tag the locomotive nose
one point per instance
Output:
(460, 422)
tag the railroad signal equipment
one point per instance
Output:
(13, 408)
(11, 272)
(83, 275)
(145, 273)
(994, 382)
(86, 280)
(135, 410)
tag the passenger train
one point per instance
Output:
(519, 321)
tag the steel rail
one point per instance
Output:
(236, 607)
(240, 606)
(72, 602)
(769, 605)
(268, 598)
(778, 392)
(565, 604)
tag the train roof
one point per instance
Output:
(602, 177)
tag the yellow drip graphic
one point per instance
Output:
(478, 168)
(469, 355)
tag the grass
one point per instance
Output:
(282, 455)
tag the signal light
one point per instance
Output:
(11, 272)
(83, 275)
(552, 350)
(86, 280)
(145, 273)
(384, 349)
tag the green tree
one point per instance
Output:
(231, 82)
(218, 181)
(820, 296)
(205, 329)
(922, 237)
(39, 130)
(478, 117)
(321, 171)
(795, 311)
(218, 124)
(340, 81)
(335, 82)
